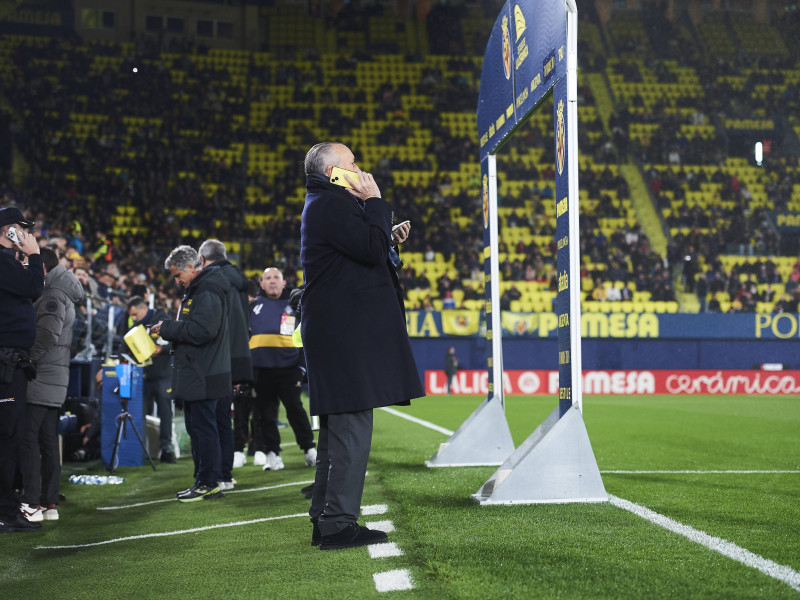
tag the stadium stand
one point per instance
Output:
(156, 144)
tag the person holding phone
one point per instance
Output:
(19, 287)
(354, 333)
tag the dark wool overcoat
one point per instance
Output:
(352, 318)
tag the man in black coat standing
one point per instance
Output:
(354, 335)
(231, 280)
(19, 287)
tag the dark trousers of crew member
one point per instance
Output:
(224, 420)
(12, 418)
(274, 386)
(39, 457)
(342, 453)
(201, 425)
(244, 430)
(155, 392)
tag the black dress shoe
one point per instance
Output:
(352, 536)
(168, 457)
(316, 536)
(18, 523)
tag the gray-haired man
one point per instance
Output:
(201, 365)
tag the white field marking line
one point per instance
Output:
(722, 546)
(384, 526)
(374, 509)
(170, 533)
(709, 472)
(393, 581)
(384, 550)
(422, 422)
(435, 427)
(258, 489)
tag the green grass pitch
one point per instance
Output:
(252, 544)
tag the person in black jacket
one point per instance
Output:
(157, 376)
(354, 335)
(201, 365)
(231, 280)
(19, 287)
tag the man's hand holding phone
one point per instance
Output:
(400, 232)
(359, 183)
(25, 242)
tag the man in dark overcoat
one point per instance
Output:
(354, 335)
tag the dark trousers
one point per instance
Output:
(274, 386)
(39, 457)
(12, 417)
(155, 392)
(450, 377)
(201, 425)
(223, 418)
(344, 444)
(243, 431)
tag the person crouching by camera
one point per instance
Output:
(201, 365)
(19, 288)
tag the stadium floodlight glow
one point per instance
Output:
(532, 54)
(759, 153)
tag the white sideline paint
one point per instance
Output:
(422, 422)
(709, 472)
(169, 533)
(393, 581)
(724, 547)
(258, 489)
(384, 526)
(374, 509)
(384, 550)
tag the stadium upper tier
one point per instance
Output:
(145, 144)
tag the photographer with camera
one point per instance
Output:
(40, 457)
(19, 287)
(279, 371)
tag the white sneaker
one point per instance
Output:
(274, 462)
(226, 485)
(259, 458)
(239, 459)
(32, 512)
(311, 457)
(50, 513)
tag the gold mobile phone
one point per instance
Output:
(337, 177)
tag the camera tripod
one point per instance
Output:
(123, 418)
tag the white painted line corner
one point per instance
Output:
(384, 550)
(393, 581)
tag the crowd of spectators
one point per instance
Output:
(164, 112)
